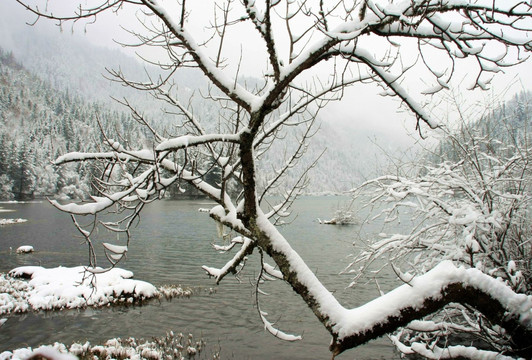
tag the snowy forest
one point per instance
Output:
(41, 122)
(38, 124)
(75, 76)
(233, 106)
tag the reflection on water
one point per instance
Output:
(169, 246)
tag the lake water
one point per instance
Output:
(169, 246)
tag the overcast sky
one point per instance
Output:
(361, 108)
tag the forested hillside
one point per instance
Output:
(61, 75)
(54, 107)
(39, 123)
(499, 130)
(55, 113)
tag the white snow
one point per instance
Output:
(231, 264)
(64, 287)
(56, 352)
(276, 332)
(457, 351)
(327, 302)
(174, 346)
(219, 213)
(12, 221)
(270, 270)
(117, 249)
(218, 76)
(185, 141)
(125, 156)
(24, 249)
(67, 288)
(449, 352)
(427, 286)
(101, 203)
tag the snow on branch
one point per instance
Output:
(231, 265)
(449, 352)
(270, 270)
(226, 248)
(185, 141)
(141, 155)
(276, 332)
(114, 253)
(101, 203)
(341, 36)
(263, 23)
(422, 296)
(430, 292)
(227, 85)
(392, 81)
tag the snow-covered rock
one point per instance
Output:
(24, 249)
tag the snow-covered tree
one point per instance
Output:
(311, 51)
(468, 203)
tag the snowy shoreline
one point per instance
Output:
(34, 288)
(175, 346)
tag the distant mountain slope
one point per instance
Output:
(496, 131)
(39, 123)
(70, 63)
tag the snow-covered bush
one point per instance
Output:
(342, 216)
(469, 204)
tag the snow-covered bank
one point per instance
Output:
(68, 288)
(171, 346)
(12, 221)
